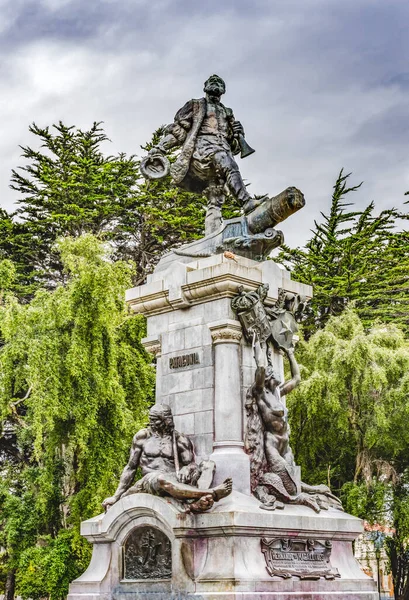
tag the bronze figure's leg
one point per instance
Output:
(204, 498)
(215, 199)
(227, 166)
(268, 500)
(182, 491)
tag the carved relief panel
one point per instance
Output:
(147, 554)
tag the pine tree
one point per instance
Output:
(354, 256)
(13, 245)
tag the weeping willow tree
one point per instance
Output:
(75, 383)
(349, 419)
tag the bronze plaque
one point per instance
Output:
(294, 557)
(147, 554)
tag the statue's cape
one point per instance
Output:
(180, 167)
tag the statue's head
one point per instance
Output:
(161, 418)
(214, 86)
(272, 378)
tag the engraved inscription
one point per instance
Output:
(185, 360)
(306, 559)
(147, 554)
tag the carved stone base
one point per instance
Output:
(221, 554)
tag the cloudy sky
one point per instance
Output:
(317, 84)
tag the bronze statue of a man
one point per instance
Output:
(166, 459)
(209, 137)
(275, 477)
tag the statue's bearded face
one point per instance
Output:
(215, 86)
(161, 423)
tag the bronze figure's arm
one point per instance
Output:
(129, 471)
(237, 140)
(260, 358)
(175, 133)
(186, 458)
(236, 130)
(291, 384)
(185, 449)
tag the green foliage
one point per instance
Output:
(354, 256)
(74, 385)
(7, 275)
(6, 226)
(355, 383)
(368, 500)
(398, 545)
(70, 187)
(350, 416)
(49, 567)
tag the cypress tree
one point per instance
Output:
(69, 186)
(354, 256)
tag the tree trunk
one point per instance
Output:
(399, 568)
(405, 592)
(10, 585)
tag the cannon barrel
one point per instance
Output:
(272, 211)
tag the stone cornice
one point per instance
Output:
(222, 286)
(206, 290)
(252, 530)
(154, 346)
(151, 304)
(207, 280)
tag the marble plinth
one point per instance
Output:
(217, 555)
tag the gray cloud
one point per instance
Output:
(318, 84)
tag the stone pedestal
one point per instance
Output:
(217, 555)
(204, 369)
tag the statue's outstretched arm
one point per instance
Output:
(129, 471)
(291, 384)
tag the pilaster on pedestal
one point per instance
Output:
(228, 447)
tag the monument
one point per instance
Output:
(220, 510)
